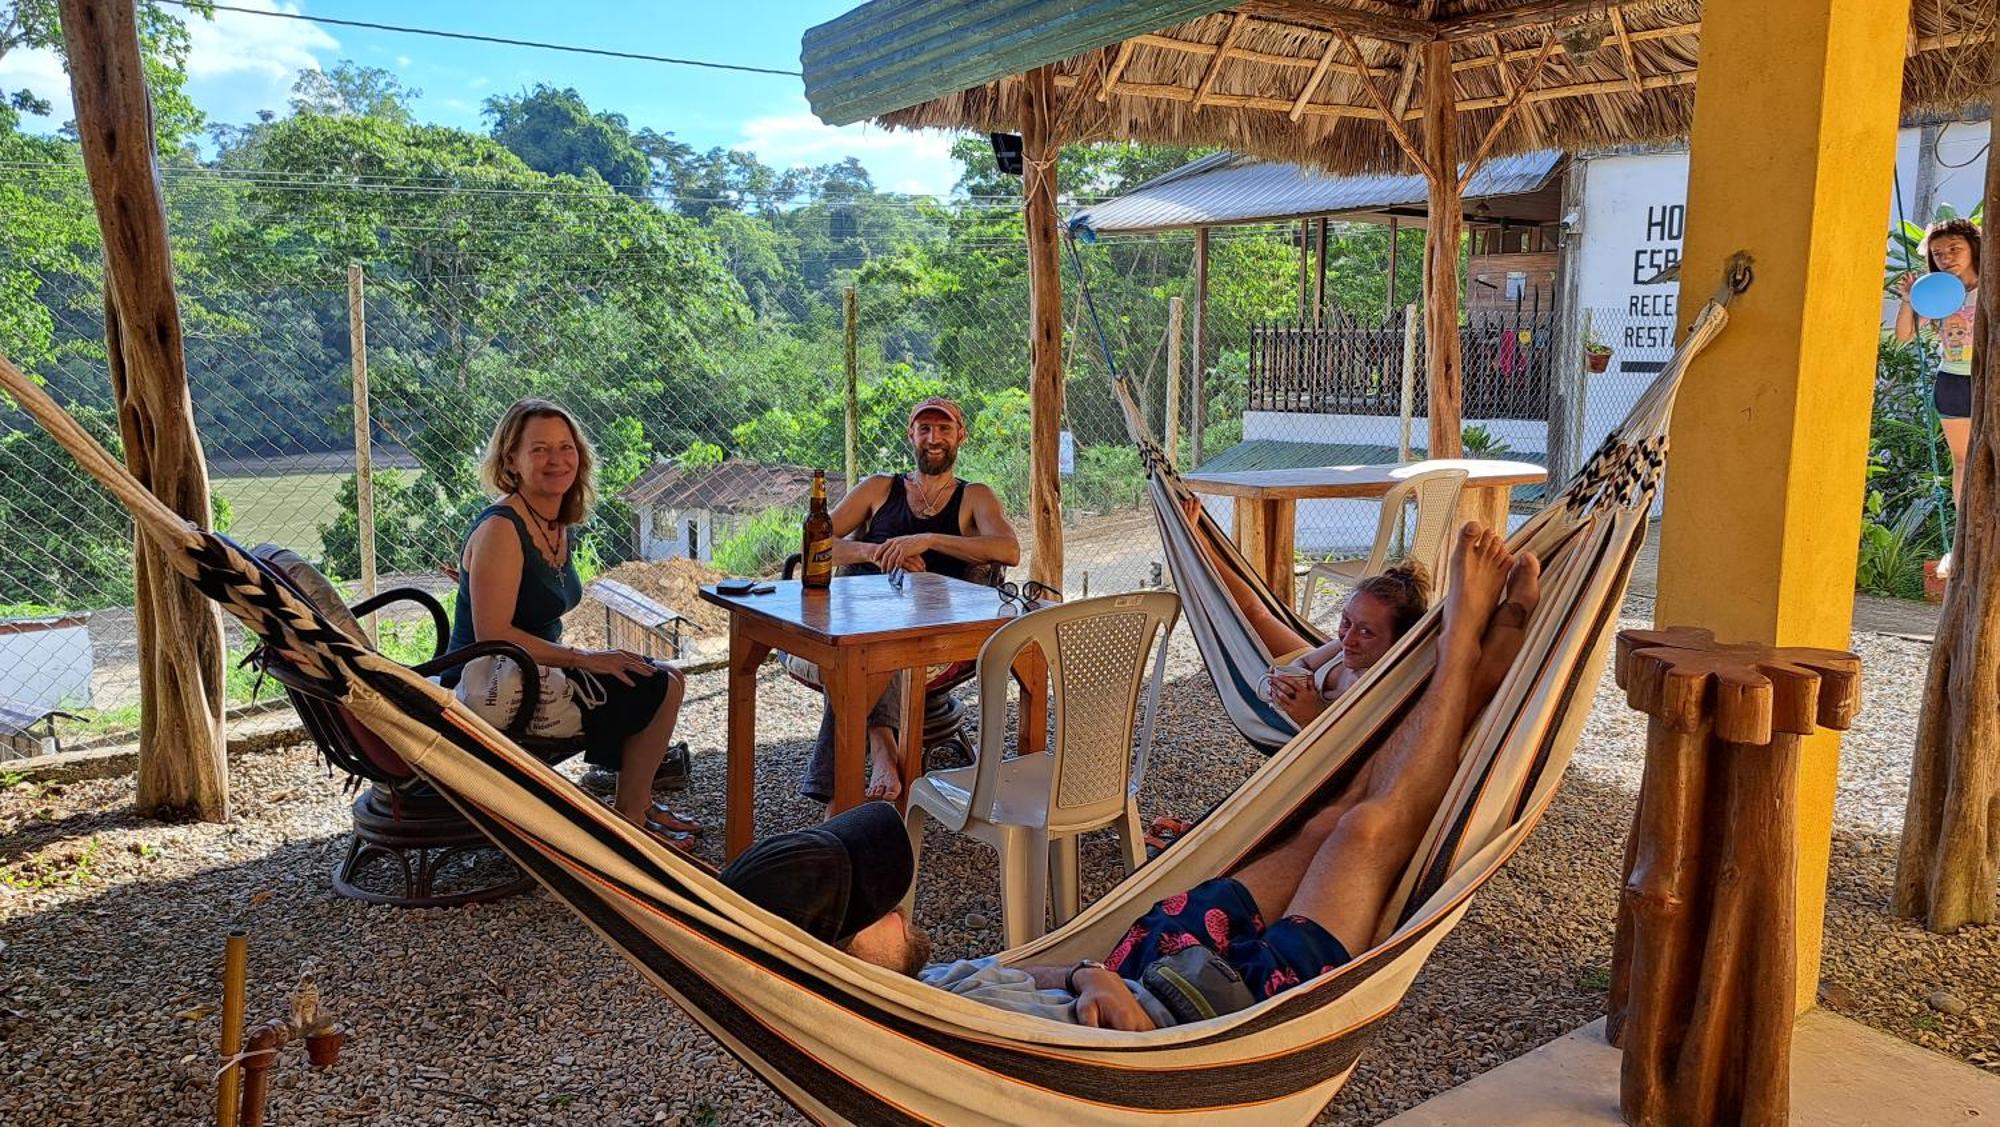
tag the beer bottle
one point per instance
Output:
(817, 568)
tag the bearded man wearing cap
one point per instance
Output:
(924, 520)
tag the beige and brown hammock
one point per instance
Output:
(848, 1042)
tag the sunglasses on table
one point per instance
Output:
(1030, 595)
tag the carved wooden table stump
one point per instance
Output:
(1702, 968)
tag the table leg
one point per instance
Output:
(851, 696)
(1280, 553)
(1253, 533)
(739, 819)
(913, 731)
(1031, 670)
(1486, 504)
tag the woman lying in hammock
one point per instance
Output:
(1324, 890)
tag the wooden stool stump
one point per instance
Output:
(1703, 964)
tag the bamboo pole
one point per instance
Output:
(183, 769)
(1947, 863)
(1305, 256)
(1039, 149)
(1172, 423)
(1389, 297)
(364, 460)
(1442, 229)
(235, 965)
(1703, 964)
(1319, 274)
(1408, 403)
(850, 312)
(1198, 375)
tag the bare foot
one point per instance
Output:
(1524, 584)
(885, 770)
(1479, 566)
(1501, 643)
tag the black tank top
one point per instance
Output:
(896, 518)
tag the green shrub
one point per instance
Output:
(759, 545)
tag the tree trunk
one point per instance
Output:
(1045, 329)
(182, 767)
(1442, 229)
(1950, 855)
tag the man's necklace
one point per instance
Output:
(928, 505)
(544, 537)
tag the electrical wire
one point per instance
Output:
(501, 40)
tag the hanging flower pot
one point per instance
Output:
(1597, 360)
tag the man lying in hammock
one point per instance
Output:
(1325, 889)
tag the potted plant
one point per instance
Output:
(1596, 353)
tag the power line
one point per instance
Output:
(466, 35)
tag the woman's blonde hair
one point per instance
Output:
(1406, 587)
(496, 470)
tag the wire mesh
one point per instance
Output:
(706, 358)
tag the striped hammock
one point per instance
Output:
(848, 1042)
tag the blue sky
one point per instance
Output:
(243, 63)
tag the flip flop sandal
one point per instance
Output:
(681, 841)
(659, 814)
(1164, 831)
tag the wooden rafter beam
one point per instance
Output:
(1506, 115)
(1312, 84)
(1117, 68)
(1242, 54)
(1169, 93)
(1395, 125)
(1406, 82)
(1328, 16)
(1221, 56)
(1534, 13)
(1672, 31)
(1625, 48)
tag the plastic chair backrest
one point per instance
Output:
(1096, 651)
(1436, 494)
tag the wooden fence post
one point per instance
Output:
(1198, 366)
(364, 459)
(1703, 962)
(1172, 428)
(850, 312)
(1409, 391)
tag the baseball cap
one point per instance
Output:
(833, 879)
(940, 405)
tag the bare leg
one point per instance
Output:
(1277, 637)
(1351, 876)
(645, 749)
(1957, 436)
(885, 770)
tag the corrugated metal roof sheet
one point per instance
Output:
(1229, 187)
(888, 55)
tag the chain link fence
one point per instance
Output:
(710, 362)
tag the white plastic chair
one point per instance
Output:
(1031, 807)
(1436, 495)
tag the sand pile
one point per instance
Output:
(673, 582)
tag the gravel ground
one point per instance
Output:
(112, 929)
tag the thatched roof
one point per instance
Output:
(1291, 79)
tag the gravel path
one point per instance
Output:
(513, 1013)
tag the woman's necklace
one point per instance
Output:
(545, 540)
(928, 505)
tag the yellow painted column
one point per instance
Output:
(1792, 156)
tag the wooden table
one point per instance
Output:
(1266, 501)
(862, 632)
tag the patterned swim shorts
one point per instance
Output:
(1221, 915)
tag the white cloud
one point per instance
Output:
(239, 63)
(901, 160)
(42, 73)
(402, 60)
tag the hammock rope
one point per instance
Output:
(848, 1042)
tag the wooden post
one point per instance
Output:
(850, 313)
(1704, 965)
(1319, 274)
(235, 965)
(1171, 431)
(1039, 147)
(182, 766)
(1198, 369)
(1950, 853)
(1409, 392)
(1443, 226)
(1305, 255)
(364, 460)
(1389, 300)
(1770, 429)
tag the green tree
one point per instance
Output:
(553, 131)
(352, 90)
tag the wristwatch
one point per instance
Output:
(1081, 964)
